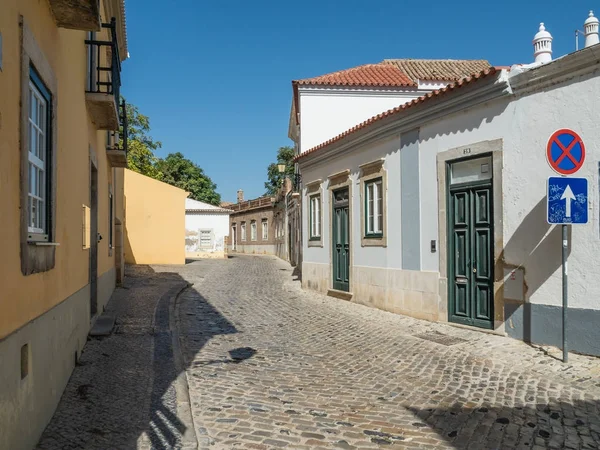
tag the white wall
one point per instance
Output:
(219, 223)
(326, 113)
(485, 122)
(525, 125)
(361, 256)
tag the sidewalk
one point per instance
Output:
(122, 394)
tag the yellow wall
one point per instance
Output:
(23, 298)
(155, 221)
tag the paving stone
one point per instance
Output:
(270, 365)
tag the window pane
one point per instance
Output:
(33, 139)
(41, 151)
(379, 208)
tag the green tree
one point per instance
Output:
(141, 146)
(185, 174)
(285, 155)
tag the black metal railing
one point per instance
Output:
(297, 182)
(117, 140)
(104, 63)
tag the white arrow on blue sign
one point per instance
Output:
(567, 200)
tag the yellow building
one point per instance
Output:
(61, 207)
(155, 224)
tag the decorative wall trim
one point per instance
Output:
(35, 259)
(492, 148)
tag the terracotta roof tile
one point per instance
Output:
(367, 75)
(431, 95)
(438, 69)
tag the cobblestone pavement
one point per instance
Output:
(272, 366)
(122, 393)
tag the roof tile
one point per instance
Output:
(429, 96)
(366, 75)
(438, 69)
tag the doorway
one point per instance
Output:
(471, 243)
(341, 240)
(233, 238)
(93, 277)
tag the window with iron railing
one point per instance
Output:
(104, 62)
(117, 140)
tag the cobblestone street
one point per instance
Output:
(271, 366)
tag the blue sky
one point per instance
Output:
(215, 76)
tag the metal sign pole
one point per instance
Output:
(565, 298)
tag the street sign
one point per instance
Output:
(565, 152)
(567, 200)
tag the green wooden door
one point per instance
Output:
(470, 256)
(341, 241)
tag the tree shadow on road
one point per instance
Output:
(126, 391)
(554, 424)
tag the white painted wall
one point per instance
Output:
(219, 223)
(326, 113)
(390, 256)
(525, 123)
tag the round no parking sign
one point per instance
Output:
(565, 152)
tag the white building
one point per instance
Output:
(327, 105)
(437, 208)
(206, 227)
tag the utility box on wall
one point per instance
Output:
(514, 285)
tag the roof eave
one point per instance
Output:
(412, 116)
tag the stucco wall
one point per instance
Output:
(49, 312)
(325, 113)
(219, 223)
(390, 256)
(64, 50)
(155, 221)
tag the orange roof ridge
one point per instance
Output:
(434, 94)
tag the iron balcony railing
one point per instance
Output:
(104, 63)
(117, 140)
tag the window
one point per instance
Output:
(38, 131)
(243, 229)
(206, 239)
(265, 229)
(315, 217)
(374, 208)
(253, 230)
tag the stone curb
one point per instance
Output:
(184, 411)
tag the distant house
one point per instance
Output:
(206, 229)
(252, 227)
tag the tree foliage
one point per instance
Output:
(187, 175)
(175, 169)
(285, 155)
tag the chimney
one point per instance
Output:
(240, 196)
(542, 45)
(590, 28)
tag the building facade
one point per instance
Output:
(206, 230)
(437, 209)
(61, 159)
(326, 105)
(252, 226)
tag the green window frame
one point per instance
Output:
(315, 217)
(374, 208)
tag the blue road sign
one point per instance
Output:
(567, 200)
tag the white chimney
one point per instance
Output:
(590, 28)
(542, 45)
